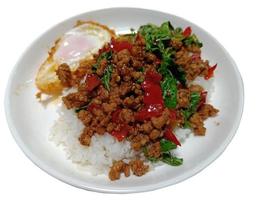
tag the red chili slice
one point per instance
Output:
(120, 45)
(172, 114)
(168, 134)
(92, 81)
(187, 31)
(210, 72)
(122, 133)
(203, 97)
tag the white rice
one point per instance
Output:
(104, 149)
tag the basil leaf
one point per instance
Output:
(194, 101)
(171, 160)
(192, 40)
(192, 108)
(140, 80)
(167, 145)
(156, 36)
(169, 90)
(178, 73)
(107, 76)
(105, 55)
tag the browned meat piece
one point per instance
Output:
(197, 124)
(176, 44)
(123, 59)
(147, 127)
(154, 150)
(110, 127)
(85, 116)
(125, 88)
(75, 100)
(139, 141)
(127, 116)
(183, 98)
(117, 168)
(196, 88)
(85, 137)
(138, 167)
(154, 134)
(64, 74)
(126, 170)
(150, 57)
(159, 122)
(109, 107)
(182, 57)
(207, 110)
(100, 130)
(137, 75)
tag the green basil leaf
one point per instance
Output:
(192, 108)
(107, 76)
(105, 55)
(169, 90)
(171, 160)
(167, 145)
(192, 40)
(140, 80)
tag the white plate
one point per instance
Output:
(29, 122)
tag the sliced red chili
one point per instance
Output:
(203, 97)
(92, 81)
(120, 45)
(158, 61)
(106, 48)
(210, 72)
(187, 31)
(172, 114)
(122, 133)
(169, 135)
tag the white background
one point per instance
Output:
(240, 172)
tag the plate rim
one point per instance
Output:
(42, 165)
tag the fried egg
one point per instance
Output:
(79, 43)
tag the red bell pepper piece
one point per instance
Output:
(187, 31)
(122, 133)
(168, 134)
(149, 111)
(92, 81)
(153, 99)
(210, 72)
